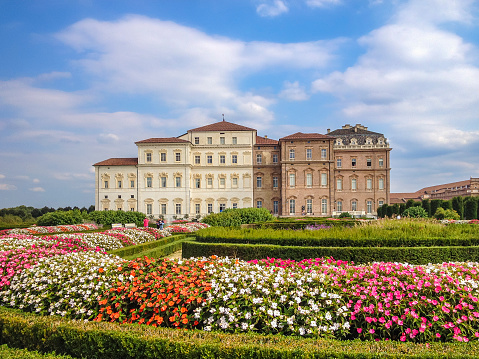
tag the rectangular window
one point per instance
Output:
(197, 182)
(309, 180)
(222, 140)
(291, 155)
(354, 184)
(177, 156)
(210, 207)
(209, 140)
(119, 184)
(354, 206)
(381, 183)
(148, 157)
(234, 182)
(368, 162)
(324, 179)
(235, 205)
(209, 159)
(292, 180)
(149, 182)
(149, 208)
(275, 207)
(209, 181)
(309, 206)
(292, 206)
(163, 182)
(177, 181)
(163, 208)
(132, 184)
(178, 208)
(234, 140)
(380, 203)
(197, 140)
(324, 153)
(339, 184)
(222, 159)
(275, 158)
(259, 158)
(275, 182)
(259, 204)
(309, 153)
(353, 162)
(259, 182)
(222, 207)
(381, 162)
(106, 184)
(234, 159)
(163, 156)
(339, 162)
(369, 206)
(324, 206)
(369, 183)
(197, 160)
(197, 208)
(339, 206)
(222, 182)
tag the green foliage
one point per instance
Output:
(442, 213)
(415, 212)
(470, 208)
(389, 211)
(409, 203)
(12, 353)
(345, 215)
(59, 217)
(446, 204)
(426, 204)
(109, 217)
(238, 216)
(458, 206)
(114, 341)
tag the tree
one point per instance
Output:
(415, 212)
(470, 208)
(435, 204)
(427, 206)
(409, 203)
(458, 205)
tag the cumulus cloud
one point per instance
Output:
(293, 92)
(7, 187)
(2, 176)
(37, 189)
(322, 3)
(272, 8)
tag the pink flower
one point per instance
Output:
(372, 331)
(360, 330)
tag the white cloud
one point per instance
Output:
(7, 187)
(323, 3)
(272, 8)
(108, 138)
(436, 11)
(37, 189)
(2, 176)
(36, 180)
(293, 92)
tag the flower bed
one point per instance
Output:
(50, 229)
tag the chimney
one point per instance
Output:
(329, 130)
(347, 126)
(265, 136)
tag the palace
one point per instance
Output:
(225, 165)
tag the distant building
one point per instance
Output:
(225, 165)
(446, 191)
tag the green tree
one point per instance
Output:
(426, 204)
(458, 205)
(470, 208)
(415, 212)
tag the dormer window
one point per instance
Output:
(369, 141)
(339, 142)
(354, 141)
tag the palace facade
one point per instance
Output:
(225, 165)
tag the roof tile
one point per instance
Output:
(163, 140)
(222, 126)
(118, 162)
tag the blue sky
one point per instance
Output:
(82, 80)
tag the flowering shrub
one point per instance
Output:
(186, 227)
(163, 292)
(316, 227)
(268, 299)
(50, 229)
(66, 285)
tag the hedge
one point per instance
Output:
(358, 255)
(13, 353)
(112, 341)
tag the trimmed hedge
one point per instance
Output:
(13, 353)
(412, 255)
(144, 247)
(114, 341)
(281, 224)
